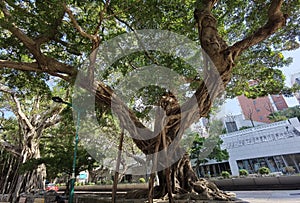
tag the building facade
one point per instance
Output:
(274, 145)
(295, 79)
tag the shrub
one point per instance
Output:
(225, 174)
(142, 180)
(289, 169)
(243, 172)
(109, 182)
(264, 170)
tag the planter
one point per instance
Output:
(259, 183)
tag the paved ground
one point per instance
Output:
(272, 196)
(260, 196)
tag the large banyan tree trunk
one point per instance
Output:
(28, 180)
(180, 178)
(177, 178)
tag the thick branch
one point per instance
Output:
(101, 16)
(49, 119)
(9, 147)
(221, 55)
(276, 21)
(77, 26)
(136, 158)
(104, 95)
(52, 122)
(20, 65)
(211, 42)
(28, 42)
(20, 113)
(17, 107)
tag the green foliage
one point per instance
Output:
(142, 180)
(109, 182)
(30, 165)
(285, 114)
(243, 172)
(264, 171)
(225, 174)
(57, 149)
(211, 144)
(244, 127)
(58, 157)
(236, 20)
(210, 147)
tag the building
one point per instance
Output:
(295, 79)
(274, 145)
(241, 112)
(258, 109)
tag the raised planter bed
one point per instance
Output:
(259, 183)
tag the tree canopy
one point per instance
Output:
(242, 44)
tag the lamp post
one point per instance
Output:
(59, 100)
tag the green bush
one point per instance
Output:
(142, 180)
(225, 174)
(109, 182)
(243, 172)
(263, 170)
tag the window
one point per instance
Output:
(231, 126)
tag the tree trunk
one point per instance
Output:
(28, 181)
(186, 183)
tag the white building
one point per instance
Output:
(274, 145)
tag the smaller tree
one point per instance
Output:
(285, 114)
(209, 147)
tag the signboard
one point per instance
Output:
(83, 176)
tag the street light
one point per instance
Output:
(59, 100)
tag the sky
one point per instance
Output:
(231, 106)
(294, 67)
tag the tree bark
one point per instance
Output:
(28, 181)
(30, 128)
